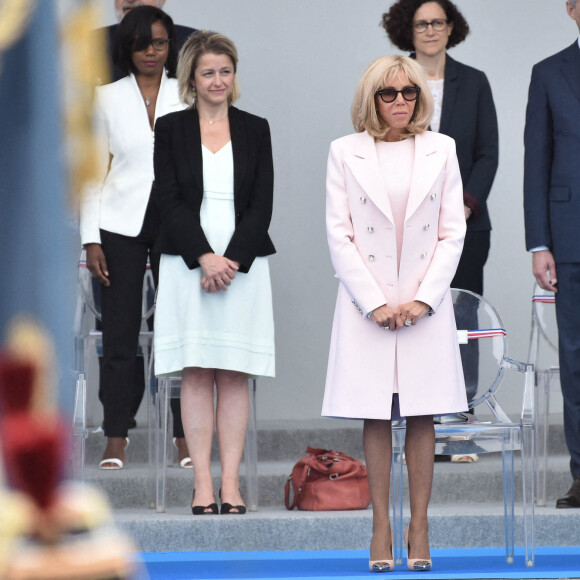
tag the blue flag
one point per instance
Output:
(37, 271)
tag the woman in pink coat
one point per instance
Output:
(395, 226)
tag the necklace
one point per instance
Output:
(214, 121)
(147, 101)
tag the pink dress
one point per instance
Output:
(396, 163)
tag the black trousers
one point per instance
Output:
(122, 381)
(469, 276)
(568, 318)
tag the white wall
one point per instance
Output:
(300, 61)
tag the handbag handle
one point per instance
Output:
(297, 496)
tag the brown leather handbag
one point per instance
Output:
(327, 480)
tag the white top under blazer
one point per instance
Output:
(118, 199)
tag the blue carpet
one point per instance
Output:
(447, 564)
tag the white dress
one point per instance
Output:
(231, 330)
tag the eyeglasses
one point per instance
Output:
(390, 95)
(159, 44)
(438, 25)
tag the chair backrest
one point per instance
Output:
(90, 290)
(482, 344)
(544, 329)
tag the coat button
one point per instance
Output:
(423, 255)
(363, 199)
(371, 258)
(433, 196)
(426, 226)
(370, 229)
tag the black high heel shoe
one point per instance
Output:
(228, 507)
(201, 510)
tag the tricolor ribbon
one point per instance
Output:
(487, 333)
(545, 298)
(464, 336)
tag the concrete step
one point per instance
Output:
(288, 440)
(275, 528)
(479, 482)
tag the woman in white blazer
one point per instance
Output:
(118, 222)
(395, 226)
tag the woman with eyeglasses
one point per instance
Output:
(464, 110)
(395, 227)
(118, 221)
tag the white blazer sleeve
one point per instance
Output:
(90, 206)
(346, 259)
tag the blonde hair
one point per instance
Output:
(377, 76)
(198, 44)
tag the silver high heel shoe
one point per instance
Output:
(416, 564)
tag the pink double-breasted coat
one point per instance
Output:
(363, 249)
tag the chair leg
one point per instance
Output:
(397, 493)
(528, 457)
(161, 424)
(151, 438)
(508, 491)
(543, 379)
(251, 452)
(79, 428)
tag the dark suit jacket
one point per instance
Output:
(179, 187)
(468, 115)
(181, 32)
(552, 156)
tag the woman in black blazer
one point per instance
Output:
(213, 324)
(464, 110)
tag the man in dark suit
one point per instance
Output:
(552, 217)
(121, 8)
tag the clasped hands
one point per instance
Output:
(395, 318)
(218, 272)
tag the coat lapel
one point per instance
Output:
(193, 147)
(426, 168)
(239, 147)
(570, 68)
(364, 165)
(449, 94)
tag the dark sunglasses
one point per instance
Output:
(390, 95)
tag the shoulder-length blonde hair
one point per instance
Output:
(378, 75)
(198, 44)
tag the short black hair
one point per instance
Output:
(134, 33)
(398, 22)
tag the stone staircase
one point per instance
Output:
(466, 507)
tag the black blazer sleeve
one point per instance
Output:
(486, 148)
(469, 116)
(254, 186)
(181, 229)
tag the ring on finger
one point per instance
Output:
(408, 322)
(387, 327)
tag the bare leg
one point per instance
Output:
(233, 405)
(420, 454)
(377, 443)
(197, 414)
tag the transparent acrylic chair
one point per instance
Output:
(89, 342)
(483, 344)
(164, 389)
(543, 354)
